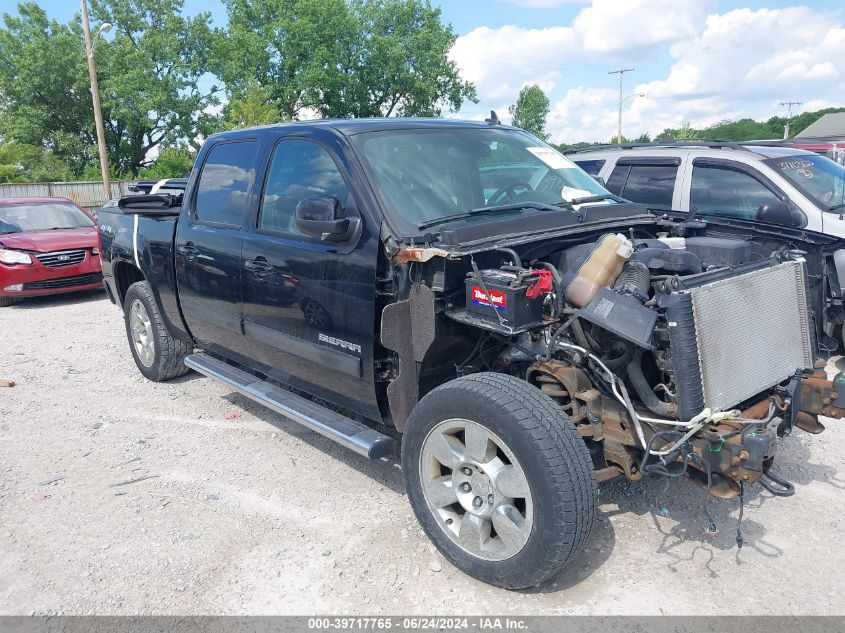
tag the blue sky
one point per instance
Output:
(697, 61)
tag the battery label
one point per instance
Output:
(500, 299)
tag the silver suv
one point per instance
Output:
(726, 179)
(763, 182)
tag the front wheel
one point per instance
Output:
(5, 302)
(158, 355)
(499, 479)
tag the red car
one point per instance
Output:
(47, 246)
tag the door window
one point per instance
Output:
(298, 170)
(729, 192)
(653, 185)
(225, 183)
(592, 167)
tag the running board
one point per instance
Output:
(345, 431)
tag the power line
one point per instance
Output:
(789, 105)
(621, 72)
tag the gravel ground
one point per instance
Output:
(243, 512)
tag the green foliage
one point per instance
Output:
(171, 162)
(355, 58)
(44, 97)
(280, 58)
(252, 105)
(149, 75)
(152, 74)
(530, 111)
(28, 163)
(747, 129)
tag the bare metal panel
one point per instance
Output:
(88, 194)
(753, 332)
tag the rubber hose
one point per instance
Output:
(621, 361)
(643, 389)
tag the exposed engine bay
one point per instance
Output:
(675, 353)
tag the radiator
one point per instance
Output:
(738, 336)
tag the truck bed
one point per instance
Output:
(142, 239)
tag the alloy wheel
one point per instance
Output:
(476, 489)
(142, 333)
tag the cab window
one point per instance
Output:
(225, 183)
(298, 170)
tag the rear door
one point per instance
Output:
(209, 240)
(649, 180)
(309, 305)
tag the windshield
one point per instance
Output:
(41, 216)
(817, 177)
(427, 175)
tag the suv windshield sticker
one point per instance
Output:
(552, 158)
(795, 164)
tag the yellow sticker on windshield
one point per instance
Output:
(552, 158)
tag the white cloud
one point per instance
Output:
(498, 61)
(614, 26)
(741, 63)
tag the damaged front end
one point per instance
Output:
(674, 357)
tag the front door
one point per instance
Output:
(309, 304)
(209, 239)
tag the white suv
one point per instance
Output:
(728, 179)
(751, 181)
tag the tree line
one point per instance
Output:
(532, 108)
(167, 81)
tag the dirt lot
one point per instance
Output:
(246, 513)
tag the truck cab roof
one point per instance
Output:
(351, 127)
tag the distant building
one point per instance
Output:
(826, 136)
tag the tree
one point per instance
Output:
(683, 133)
(44, 99)
(171, 162)
(340, 58)
(530, 111)
(150, 76)
(253, 105)
(28, 163)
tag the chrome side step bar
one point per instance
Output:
(345, 431)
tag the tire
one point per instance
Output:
(546, 505)
(158, 355)
(5, 302)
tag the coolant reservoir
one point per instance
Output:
(600, 269)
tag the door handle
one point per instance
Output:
(257, 266)
(188, 250)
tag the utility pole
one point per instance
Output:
(788, 105)
(95, 97)
(621, 72)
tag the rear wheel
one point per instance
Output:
(499, 479)
(158, 354)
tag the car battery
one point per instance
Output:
(506, 292)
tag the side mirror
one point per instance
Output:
(779, 213)
(323, 217)
(600, 180)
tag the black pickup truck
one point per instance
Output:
(467, 290)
